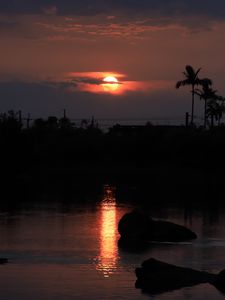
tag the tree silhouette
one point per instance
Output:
(10, 123)
(207, 94)
(192, 79)
(215, 110)
(221, 109)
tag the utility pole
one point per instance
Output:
(92, 121)
(187, 119)
(20, 117)
(28, 121)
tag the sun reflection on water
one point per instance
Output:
(108, 256)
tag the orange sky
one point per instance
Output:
(40, 50)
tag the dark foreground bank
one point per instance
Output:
(167, 163)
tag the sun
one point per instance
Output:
(110, 79)
(111, 84)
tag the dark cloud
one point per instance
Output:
(214, 9)
(87, 80)
(71, 83)
(59, 85)
(90, 80)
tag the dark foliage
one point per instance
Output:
(162, 160)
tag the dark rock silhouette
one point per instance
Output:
(136, 227)
(3, 261)
(156, 277)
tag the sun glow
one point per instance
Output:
(111, 84)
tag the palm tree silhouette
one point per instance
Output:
(192, 79)
(221, 109)
(215, 110)
(207, 93)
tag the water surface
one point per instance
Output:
(60, 252)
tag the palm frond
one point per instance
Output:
(182, 83)
(206, 81)
(203, 82)
(221, 98)
(199, 93)
(196, 73)
(190, 72)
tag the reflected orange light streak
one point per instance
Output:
(108, 256)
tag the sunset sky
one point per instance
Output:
(55, 54)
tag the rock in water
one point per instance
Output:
(136, 226)
(156, 277)
(3, 261)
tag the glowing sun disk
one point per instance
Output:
(111, 84)
(110, 79)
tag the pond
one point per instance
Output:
(70, 251)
